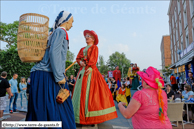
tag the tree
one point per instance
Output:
(70, 56)
(9, 33)
(119, 59)
(101, 65)
(166, 71)
(11, 63)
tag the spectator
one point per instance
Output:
(113, 88)
(173, 82)
(14, 89)
(71, 83)
(67, 79)
(190, 81)
(121, 95)
(187, 93)
(178, 79)
(75, 79)
(4, 86)
(23, 88)
(109, 84)
(28, 87)
(169, 92)
(128, 91)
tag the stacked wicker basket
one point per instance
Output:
(32, 37)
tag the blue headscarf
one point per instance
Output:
(63, 17)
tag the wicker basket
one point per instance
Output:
(32, 37)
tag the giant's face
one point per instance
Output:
(117, 68)
(89, 38)
(70, 23)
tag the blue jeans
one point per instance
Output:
(14, 97)
(21, 94)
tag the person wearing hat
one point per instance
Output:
(92, 99)
(48, 75)
(117, 76)
(148, 107)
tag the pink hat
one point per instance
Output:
(152, 77)
(92, 33)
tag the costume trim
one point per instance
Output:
(77, 96)
(101, 112)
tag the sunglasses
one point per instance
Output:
(88, 36)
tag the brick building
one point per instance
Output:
(181, 28)
(165, 51)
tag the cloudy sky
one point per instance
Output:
(133, 27)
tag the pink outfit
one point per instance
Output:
(148, 114)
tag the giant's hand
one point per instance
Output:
(88, 71)
(62, 81)
(83, 64)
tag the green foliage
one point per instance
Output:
(120, 60)
(166, 71)
(101, 65)
(73, 70)
(11, 63)
(9, 33)
(70, 56)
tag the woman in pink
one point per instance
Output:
(148, 107)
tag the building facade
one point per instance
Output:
(165, 51)
(181, 28)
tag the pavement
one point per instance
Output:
(118, 123)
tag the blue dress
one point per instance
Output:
(45, 75)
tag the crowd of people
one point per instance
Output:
(120, 94)
(11, 87)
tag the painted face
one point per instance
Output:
(70, 23)
(89, 38)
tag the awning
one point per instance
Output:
(187, 58)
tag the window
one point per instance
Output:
(182, 47)
(183, 1)
(185, 16)
(170, 29)
(172, 22)
(175, 17)
(193, 33)
(191, 7)
(175, 53)
(187, 40)
(180, 25)
(177, 32)
(172, 57)
(179, 7)
(174, 39)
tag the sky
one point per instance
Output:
(132, 27)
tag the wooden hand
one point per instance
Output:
(83, 64)
(88, 71)
(62, 81)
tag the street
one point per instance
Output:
(118, 123)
